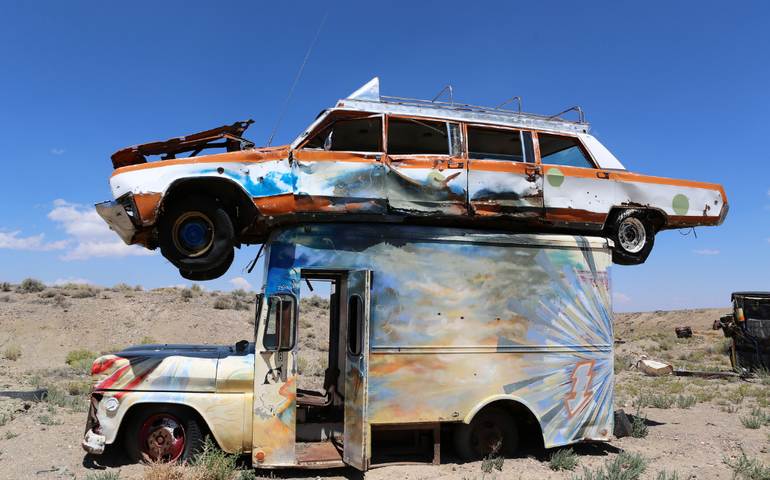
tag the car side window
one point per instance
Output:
(495, 144)
(408, 136)
(350, 135)
(561, 150)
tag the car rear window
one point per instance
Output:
(495, 144)
(560, 150)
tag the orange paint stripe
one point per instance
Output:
(631, 177)
(324, 156)
(276, 205)
(245, 156)
(500, 166)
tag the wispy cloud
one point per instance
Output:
(620, 298)
(706, 251)
(72, 280)
(240, 282)
(90, 236)
(57, 151)
(35, 243)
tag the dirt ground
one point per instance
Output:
(695, 426)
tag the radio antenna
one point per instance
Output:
(296, 79)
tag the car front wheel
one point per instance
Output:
(162, 434)
(633, 235)
(196, 234)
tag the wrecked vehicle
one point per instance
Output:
(749, 328)
(388, 159)
(479, 339)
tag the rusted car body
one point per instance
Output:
(387, 159)
(441, 335)
(749, 328)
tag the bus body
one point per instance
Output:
(430, 330)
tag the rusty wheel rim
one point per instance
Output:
(162, 438)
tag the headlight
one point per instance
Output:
(111, 405)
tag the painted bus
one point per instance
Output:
(482, 341)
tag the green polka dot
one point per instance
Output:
(681, 204)
(555, 177)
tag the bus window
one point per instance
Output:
(355, 318)
(279, 328)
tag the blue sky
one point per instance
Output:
(674, 89)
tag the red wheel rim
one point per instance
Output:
(162, 438)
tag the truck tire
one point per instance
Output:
(162, 433)
(491, 432)
(196, 234)
(633, 235)
(215, 272)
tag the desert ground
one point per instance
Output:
(687, 427)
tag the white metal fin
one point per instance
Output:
(370, 91)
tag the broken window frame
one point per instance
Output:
(338, 116)
(282, 342)
(586, 154)
(454, 133)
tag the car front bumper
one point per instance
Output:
(117, 217)
(93, 442)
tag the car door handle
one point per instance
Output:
(604, 175)
(451, 164)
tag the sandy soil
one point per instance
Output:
(41, 439)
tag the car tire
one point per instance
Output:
(633, 235)
(196, 234)
(215, 272)
(162, 433)
(491, 426)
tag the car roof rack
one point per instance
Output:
(368, 98)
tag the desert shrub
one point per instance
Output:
(745, 468)
(81, 360)
(5, 418)
(685, 401)
(122, 287)
(664, 475)
(12, 352)
(6, 299)
(31, 285)
(493, 461)
(223, 303)
(563, 459)
(655, 400)
(78, 387)
(6, 287)
(639, 425)
(59, 398)
(240, 293)
(164, 471)
(103, 476)
(186, 294)
(248, 475)
(626, 466)
(47, 294)
(85, 291)
(47, 419)
(622, 362)
(751, 422)
(196, 289)
(212, 463)
(147, 340)
(10, 435)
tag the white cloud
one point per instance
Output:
(75, 280)
(706, 251)
(240, 282)
(620, 298)
(57, 151)
(90, 234)
(37, 243)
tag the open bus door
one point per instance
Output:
(356, 435)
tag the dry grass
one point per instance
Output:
(12, 352)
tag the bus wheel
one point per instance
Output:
(162, 434)
(492, 432)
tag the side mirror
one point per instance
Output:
(280, 325)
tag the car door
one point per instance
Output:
(340, 167)
(503, 176)
(356, 434)
(427, 170)
(576, 193)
